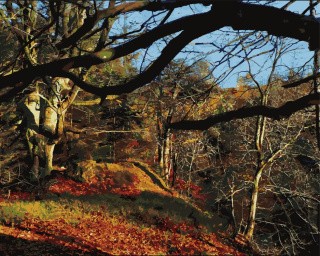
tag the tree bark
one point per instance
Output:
(35, 168)
(49, 149)
(253, 206)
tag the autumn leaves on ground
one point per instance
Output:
(124, 209)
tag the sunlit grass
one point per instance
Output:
(74, 208)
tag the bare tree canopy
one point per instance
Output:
(239, 15)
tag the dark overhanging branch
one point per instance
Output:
(284, 23)
(168, 53)
(82, 84)
(297, 26)
(143, 41)
(91, 21)
(284, 111)
(301, 81)
(240, 16)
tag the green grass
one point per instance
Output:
(144, 209)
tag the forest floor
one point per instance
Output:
(125, 209)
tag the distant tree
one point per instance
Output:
(176, 93)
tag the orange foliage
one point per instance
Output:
(183, 186)
(106, 236)
(16, 195)
(63, 185)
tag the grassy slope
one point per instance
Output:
(124, 209)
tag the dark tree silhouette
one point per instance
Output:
(237, 14)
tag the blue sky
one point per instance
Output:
(295, 58)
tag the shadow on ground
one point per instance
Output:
(147, 204)
(10, 245)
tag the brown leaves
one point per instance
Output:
(100, 231)
(96, 186)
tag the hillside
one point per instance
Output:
(124, 209)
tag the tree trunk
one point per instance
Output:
(161, 147)
(167, 157)
(49, 148)
(173, 173)
(30, 108)
(259, 138)
(233, 216)
(45, 113)
(253, 206)
(190, 168)
(35, 167)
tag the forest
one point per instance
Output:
(159, 127)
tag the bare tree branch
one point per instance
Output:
(284, 111)
(301, 81)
